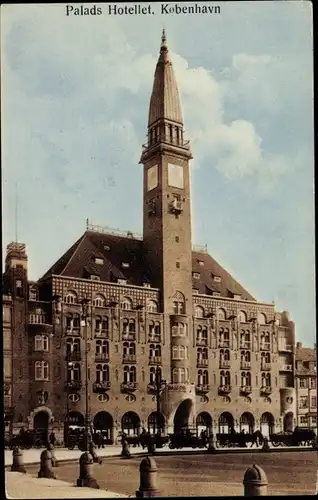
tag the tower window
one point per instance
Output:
(178, 265)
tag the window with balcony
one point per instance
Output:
(202, 356)
(152, 306)
(202, 335)
(155, 351)
(101, 324)
(70, 298)
(73, 345)
(265, 341)
(224, 336)
(99, 301)
(199, 312)
(129, 374)
(152, 375)
(203, 377)
(102, 349)
(154, 330)
(265, 360)
(225, 378)
(102, 373)
(246, 379)
(180, 375)
(303, 383)
(129, 328)
(74, 372)
(41, 343)
(41, 370)
(129, 349)
(37, 319)
(245, 339)
(266, 380)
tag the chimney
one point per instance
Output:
(299, 345)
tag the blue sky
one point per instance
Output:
(75, 95)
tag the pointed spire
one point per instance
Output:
(165, 101)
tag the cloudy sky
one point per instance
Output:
(75, 95)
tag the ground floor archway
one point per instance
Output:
(289, 422)
(41, 425)
(267, 424)
(156, 422)
(247, 423)
(103, 422)
(130, 423)
(226, 423)
(204, 422)
(182, 416)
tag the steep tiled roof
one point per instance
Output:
(80, 262)
(305, 354)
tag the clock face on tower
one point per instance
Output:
(175, 176)
(152, 177)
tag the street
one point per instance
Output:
(288, 473)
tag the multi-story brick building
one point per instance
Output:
(306, 385)
(134, 307)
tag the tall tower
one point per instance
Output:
(167, 225)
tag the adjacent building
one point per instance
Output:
(306, 385)
(121, 319)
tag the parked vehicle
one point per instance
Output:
(300, 436)
(186, 439)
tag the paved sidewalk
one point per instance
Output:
(25, 486)
(32, 456)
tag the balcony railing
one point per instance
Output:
(225, 363)
(266, 390)
(101, 357)
(101, 386)
(224, 343)
(73, 356)
(128, 335)
(265, 367)
(202, 388)
(265, 347)
(286, 368)
(74, 384)
(201, 341)
(129, 358)
(72, 330)
(246, 389)
(245, 365)
(128, 386)
(245, 345)
(202, 363)
(155, 360)
(152, 337)
(99, 333)
(224, 389)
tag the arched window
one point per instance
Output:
(151, 350)
(157, 351)
(221, 314)
(205, 376)
(263, 376)
(125, 349)
(126, 375)
(132, 372)
(248, 379)
(126, 304)
(98, 324)
(226, 355)
(105, 324)
(243, 379)
(70, 297)
(38, 370)
(132, 326)
(179, 330)
(152, 306)
(175, 352)
(267, 357)
(38, 343)
(102, 373)
(199, 312)
(132, 349)
(268, 380)
(179, 375)
(261, 319)
(242, 317)
(99, 301)
(200, 377)
(69, 321)
(76, 320)
(45, 342)
(157, 329)
(178, 303)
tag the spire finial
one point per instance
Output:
(164, 40)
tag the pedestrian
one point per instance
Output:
(52, 438)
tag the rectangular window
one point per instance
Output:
(178, 265)
(303, 402)
(304, 420)
(303, 383)
(314, 401)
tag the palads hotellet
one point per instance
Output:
(143, 309)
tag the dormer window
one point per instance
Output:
(217, 279)
(125, 265)
(216, 294)
(107, 248)
(200, 262)
(146, 285)
(98, 260)
(196, 276)
(94, 277)
(236, 296)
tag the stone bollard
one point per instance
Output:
(266, 445)
(92, 451)
(50, 447)
(148, 478)
(46, 465)
(17, 460)
(125, 453)
(255, 482)
(86, 472)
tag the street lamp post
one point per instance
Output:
(84, 318)
(159, 385)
